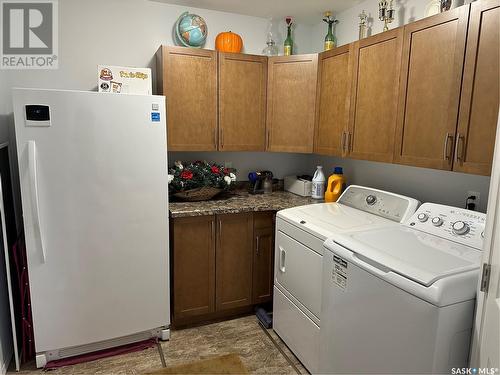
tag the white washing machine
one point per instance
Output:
(401, 299)
(300, 234)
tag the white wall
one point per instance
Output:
(281, 164)
(347, 28)
(426, 185)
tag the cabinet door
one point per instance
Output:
(263, 256)
(480, 91)
(242, 102)
(291, 103)
(189, 81)
(193, 266)
(433, 54)
(334, 97)
(234, 261)
(377, 62)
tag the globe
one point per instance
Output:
(190, 30)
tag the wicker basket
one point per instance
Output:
(199, 194)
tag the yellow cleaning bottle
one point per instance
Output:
(335, 186)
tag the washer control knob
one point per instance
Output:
(371, 199)
(422, 217)
(437, 221)
(460, 228)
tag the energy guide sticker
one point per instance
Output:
(339, 272)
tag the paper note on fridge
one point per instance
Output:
(125, 80)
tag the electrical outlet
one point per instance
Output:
(476, 194)
(228, 164)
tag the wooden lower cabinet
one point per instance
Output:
(263, 257)
(221, 265)
(233, 261)
(193, 266)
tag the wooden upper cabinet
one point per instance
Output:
(334, 97)
(234, 257)
(431, 76)
(291, 102)
(193, 260)
(242, 102)
(372, 123)
(188, 78)
(480, 91)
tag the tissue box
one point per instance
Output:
(121, 79)
(298, 186)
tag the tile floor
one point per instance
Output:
(242, 336)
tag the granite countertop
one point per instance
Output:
(239, 201)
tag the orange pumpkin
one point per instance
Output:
(228, 42)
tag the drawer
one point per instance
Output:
(263, 219)
(299, 332)
(298, 270)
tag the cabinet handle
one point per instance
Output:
(212, 229)
(215, 139)
(446, 154)
(220, 228)
(342, 142)
(268, 136)
(257, 245)
(459, 148)
(222, 138)
(282, 259)
(348, 141)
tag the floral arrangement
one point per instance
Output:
(197, 174)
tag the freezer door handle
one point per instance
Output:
(34, 194)
(282, 259)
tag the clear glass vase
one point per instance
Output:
(271, 49)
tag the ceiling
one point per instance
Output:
(304, 11)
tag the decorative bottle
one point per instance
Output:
(330, 41)
(288, 45)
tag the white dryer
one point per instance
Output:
(300, 234)
(401, 299)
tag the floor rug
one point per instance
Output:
(224, 364)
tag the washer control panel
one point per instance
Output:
(452, 223)
(382, 203)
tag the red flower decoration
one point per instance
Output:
(226, 171)
(215, 169)
(186, 175)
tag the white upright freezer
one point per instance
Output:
(93, 174)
